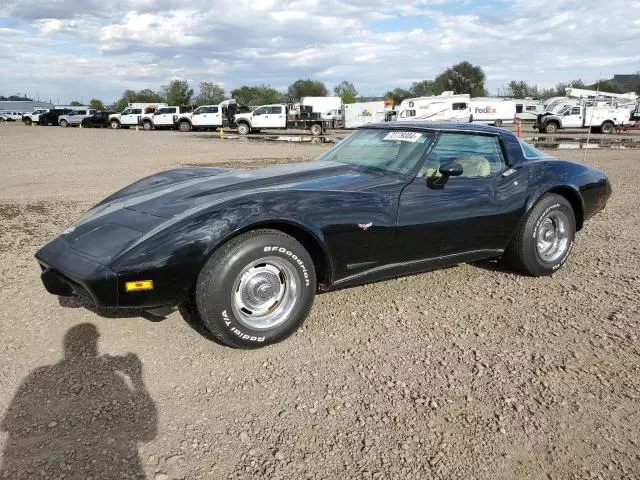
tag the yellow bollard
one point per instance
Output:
(137, 128)
(221, 132)
(80, 124)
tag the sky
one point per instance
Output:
(66, 50)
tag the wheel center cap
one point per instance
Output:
(549, 236)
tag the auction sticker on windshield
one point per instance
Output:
(403, 136)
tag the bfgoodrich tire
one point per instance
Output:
(545, 237)
(256, 289)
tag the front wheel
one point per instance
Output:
(115, 124)
(184, 126)
(551, 127)
(27, 122)
(64, 123)
(257, 289)
(243, 129)
(498, 123)
(147, 126)
(545, 237)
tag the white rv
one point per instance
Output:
(528, 109)
(361, 113)
(436, 108)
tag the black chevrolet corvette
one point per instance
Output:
(251, 248)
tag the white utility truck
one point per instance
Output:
(601, 118)
(132, 115)
(276, 117)
(208, 117)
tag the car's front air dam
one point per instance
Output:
(65, 269)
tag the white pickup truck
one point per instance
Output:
(275, 117)
(132, 115)
(602, 118)
(33, 117)
(165, 117)
(208, 117)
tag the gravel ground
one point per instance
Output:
(473, 372)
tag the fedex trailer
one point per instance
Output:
(492, 111)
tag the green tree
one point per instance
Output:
(346, 91)
(97, 104)
(606, 86)
(521, 89)
(210, 94)
(178, 92)
(254, 96)
(306, 88)
(461, 78)
(143, 96)
(398, 95)
(425, 88)
(76, 103)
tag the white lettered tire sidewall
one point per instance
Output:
(214, 289)
(524, 254)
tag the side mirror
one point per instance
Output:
(452, 169)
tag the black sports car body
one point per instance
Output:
(252, 247)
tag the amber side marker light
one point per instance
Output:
(138, 286)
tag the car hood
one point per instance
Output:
(165, 198)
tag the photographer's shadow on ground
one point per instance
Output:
(81, 418)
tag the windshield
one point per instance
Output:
(531, 152)
(393, 150)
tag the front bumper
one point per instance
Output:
(67, 272)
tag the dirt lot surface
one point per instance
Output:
(472, 372)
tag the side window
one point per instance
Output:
(576, 111)
(81, 112)
(160, 111)
(171, 110)
(518, 108)
(459, 106)
(275, 109)
(261, 111)
(213, 109)
(531, 108)
(479, 155)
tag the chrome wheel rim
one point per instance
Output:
(265, 293)
(552, 237)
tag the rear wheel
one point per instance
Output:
(255, 290)
(607, 127)
(544, 239)
(243, 129)
(316, 129)
(184, 126)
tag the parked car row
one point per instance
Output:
(10, 116)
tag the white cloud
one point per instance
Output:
(100, 48)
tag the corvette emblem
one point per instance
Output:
(364, 226)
